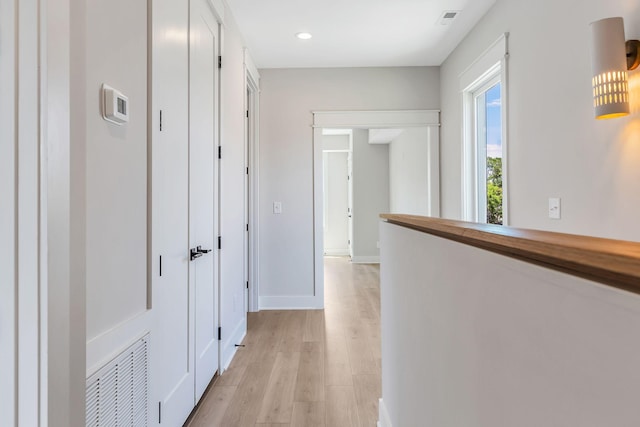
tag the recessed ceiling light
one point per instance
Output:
(304, 36)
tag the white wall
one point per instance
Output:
(286, 154)
(408, 172)
(500, 342)
(116, 167)
(370, 194)
(556, 148)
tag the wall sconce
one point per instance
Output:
(611, 57)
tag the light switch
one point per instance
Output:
(277, 207)
(554, 207)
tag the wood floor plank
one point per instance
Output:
(243, 409)
(269, 336)
(341, 408)
(235, 372)
(308, 414)
(292, 329)
(313, 326)
(310, 378)
(212, 409)
(277, 405)
(368, 390)
(337, 367)
(360, 356)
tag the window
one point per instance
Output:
(488, 148)
(483, 87)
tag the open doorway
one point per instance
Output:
(371, 160)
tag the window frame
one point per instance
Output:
(487, 70)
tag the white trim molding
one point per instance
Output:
(365, 260)
(376, 119)
(291, 303)
(492, 63)
(252, 158)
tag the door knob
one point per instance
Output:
(194, 253)
(202, 251)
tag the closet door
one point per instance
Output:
(172, 376)
(202, 207)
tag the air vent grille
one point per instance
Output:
(448, 16)
(117, 394)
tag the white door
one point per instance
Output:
(336, 233)
(202, 217)
(350, 201)
(247, 249)
(172, 362)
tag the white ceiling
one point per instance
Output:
(353, 33)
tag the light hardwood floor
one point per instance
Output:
(306, 367)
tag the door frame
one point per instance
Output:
(252, 162)
(367, 120)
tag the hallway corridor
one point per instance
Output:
(306, 367)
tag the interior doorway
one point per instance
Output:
(374, 169)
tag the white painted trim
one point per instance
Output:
(376, 119)
(365, 260)
(217, 6)
(476, 71)
(291, 303)
(336, 252)
(228, 346)
(252, 84)
(250, 66)
(383, 415)
(491, 63)
(8, 216)
(318, 217)
(109, 344)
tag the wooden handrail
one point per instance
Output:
(610, 262)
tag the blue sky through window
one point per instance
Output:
(494, 122)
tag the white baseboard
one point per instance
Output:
(291, 303)
(336, 252)
(229, 345)
(383, 415)
(365, 260)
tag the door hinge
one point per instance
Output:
(247, 114)
(160, 120)
(219, 151)
(219, 61)
(159, 412)
(349, 242)
(247, 227)
(219, 242)
(160, 265)
(247, 171)
(247, 284)
(219, 333)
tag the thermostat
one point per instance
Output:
(115, 107)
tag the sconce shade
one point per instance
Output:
(609, 68)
